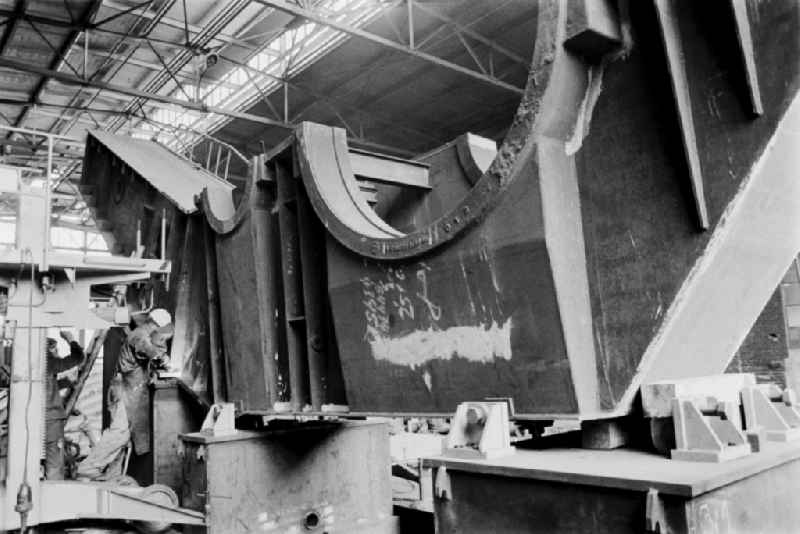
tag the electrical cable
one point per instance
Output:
(26, 253)
(24, 494)
(30, 366)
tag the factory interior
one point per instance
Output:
(551, 284)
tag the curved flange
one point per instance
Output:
(475, 155)
(332, 186)
(218, 206)
(359, 229)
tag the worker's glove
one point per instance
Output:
(67, 336)
(161, 363)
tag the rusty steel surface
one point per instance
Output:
(280, 481)
(574, 267)
(564, 490)
(173, 176)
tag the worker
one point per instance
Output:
(143, 352)
(55, 416)
(105, 460)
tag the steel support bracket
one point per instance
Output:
(705, 438)
(480, 430)
(774, 411)
(220, 420)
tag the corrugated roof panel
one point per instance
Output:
(175, 177)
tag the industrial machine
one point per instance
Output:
(44, 289)
(615, 239)
(594, 252)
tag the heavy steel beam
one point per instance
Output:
(389, 170)
(317, 18)
(136, 93)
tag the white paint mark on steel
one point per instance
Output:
(593, 89)
(466, 284)
(473, 343)
(426, 377)
(281, 407)
(633, 241)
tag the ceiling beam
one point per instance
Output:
(74, 107)
(85, 108)
(61, 55)
(40, 133)
(179, 24)
(494, 45)
(11, 29)
(320, 98)
(32, 149)
(153, 66)
(101, 72)
(136, 93)
(77, 26)
(318, 18)
(222, 15)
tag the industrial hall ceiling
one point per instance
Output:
(401, 77)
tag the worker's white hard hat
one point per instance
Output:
(160, 316)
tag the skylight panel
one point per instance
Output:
(282, 57)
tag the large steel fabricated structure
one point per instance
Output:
(619, 235)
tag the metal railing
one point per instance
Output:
(220, 158)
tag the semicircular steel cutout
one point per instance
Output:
(333, 189)
(221, 212)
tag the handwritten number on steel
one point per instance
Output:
(391, 289)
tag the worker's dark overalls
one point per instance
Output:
(142, 349)
(54, 416)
